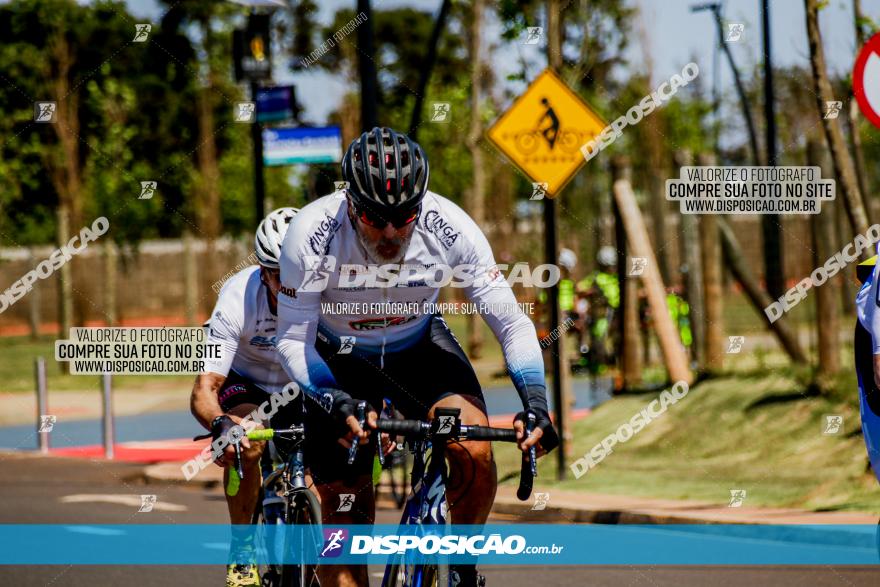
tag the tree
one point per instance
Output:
(477, 193)
(843, 165)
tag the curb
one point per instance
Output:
(509, 507)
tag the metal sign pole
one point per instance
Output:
(42, 403)
(556, 357)
(257, 138)
(107, 406)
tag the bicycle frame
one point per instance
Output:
(288, 482)
(426, 504)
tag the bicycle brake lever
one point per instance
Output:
(381, 452)
(238, 466)
(362, 418)
(533, 453)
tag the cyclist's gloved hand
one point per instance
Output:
(345, 411)
(549, 439)
(225, 427)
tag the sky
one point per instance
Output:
(673, 37)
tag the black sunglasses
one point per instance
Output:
(380, 221)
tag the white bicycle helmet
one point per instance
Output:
(567, 259)
(607, 256)
(270, 235)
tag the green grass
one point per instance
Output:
(719, 437)
(17, 370)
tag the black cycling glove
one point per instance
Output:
(535, 400)
(549, 438)
(225, 427)
(221, 426)
(340, 405)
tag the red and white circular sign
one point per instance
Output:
(866, 80)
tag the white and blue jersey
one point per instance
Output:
(243, 324)
(866, 345)
(322, 253)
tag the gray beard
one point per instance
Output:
(371, 248)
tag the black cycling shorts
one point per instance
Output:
(413, 379)
(237, 390)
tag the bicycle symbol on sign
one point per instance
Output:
(548, 131)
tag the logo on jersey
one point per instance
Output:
(220, 319)
(317, 273)
(346, 345)
(263, 342)
(333, 542)
(376, 323)
(325, 400)
(439, 227)
(320, 239)
(288, 291)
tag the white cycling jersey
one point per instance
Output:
(244, 326)
(868, 307)
(320, 260)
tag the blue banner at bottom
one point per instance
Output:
(492, 544)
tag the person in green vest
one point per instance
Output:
(570, 323)
(567, 262)
(679, 311)
(602, 292)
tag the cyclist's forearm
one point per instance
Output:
(306, 367)
(204, 404)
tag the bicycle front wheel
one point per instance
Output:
(304, 515)
(401, 575)
(399, 476)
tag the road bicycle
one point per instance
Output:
(287, 517)
(397, 463)
(426, 504)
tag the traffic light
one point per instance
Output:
(251, 49)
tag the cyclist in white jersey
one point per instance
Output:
(867, 357)
(342, 338)
(239, 382)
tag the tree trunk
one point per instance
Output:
(843, 165)
(629, 343)
(710, 249)
(110, 273)
(694, 275)
(853, 112)
(859, 159)
(208, 200)
(430, 61)
(848, 299)
(827, 314)
(64, 171)
(562, 393)
(637, 237)
(65, 285)
(477, 193)
(657, 191)
(190, 280)
(734, 256)
(34, 316)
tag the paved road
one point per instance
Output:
(33, 488)
(180, 424)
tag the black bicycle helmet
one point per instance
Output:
(386, 171)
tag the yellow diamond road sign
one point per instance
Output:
(544, 129)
